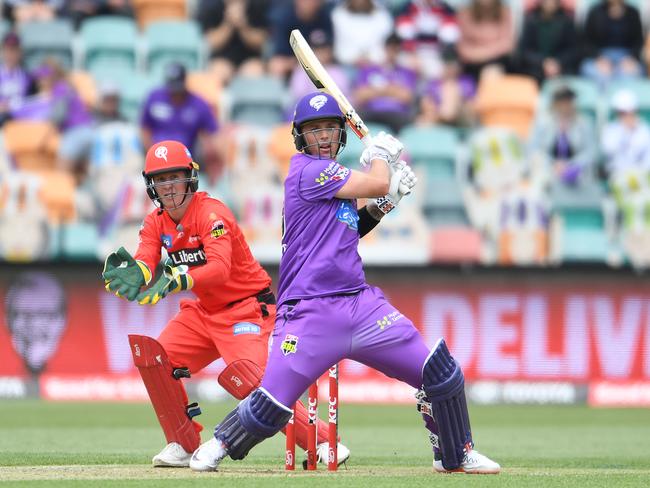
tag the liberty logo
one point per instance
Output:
(318, 102)
(161, 152)
(289, 345)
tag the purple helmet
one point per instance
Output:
(316, 106)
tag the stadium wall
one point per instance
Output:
(522, 336)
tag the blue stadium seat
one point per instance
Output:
(588, 98)
(79, 241)
(51, 38)
(432, 148)
(110, 42)
(640, 87)
(173, 40)
(256, 101)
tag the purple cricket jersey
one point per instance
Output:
(177, 122)
(378, 76)
(14, 85)
(320, 238)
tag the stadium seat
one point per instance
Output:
(79, 240)
(45, 39)
(148, 11)
(57, 192)
(433, 148)
(640, 87)
(206, 86)
(5, 26)
(588, 96)
(507, 101)
(443, 202)
(108, 41)
(173, 40)
(281, 147)
(455, 245)
(256, 101)
(133, 94)
(84, 83)
(33, 145)
(584, 245)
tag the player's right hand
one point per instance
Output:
(123, 275)
(384, 146)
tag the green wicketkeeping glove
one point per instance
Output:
(123, 275)
(173, 280)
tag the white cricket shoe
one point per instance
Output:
(172, 456)
(208, 456)
(473, 463)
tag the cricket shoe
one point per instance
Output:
(172, 456)
(473, 463)
(208, 456)
(322, 454)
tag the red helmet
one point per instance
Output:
(167, 156)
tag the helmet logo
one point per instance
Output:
(318, 102)
(161, 152)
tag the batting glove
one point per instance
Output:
(123, 275)
(173, 280)
(383, 146)
(402, 181)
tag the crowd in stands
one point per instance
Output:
(527, 121)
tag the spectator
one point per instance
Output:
(425, 27)
(300, 84)
(19, 11)
(361, 28)
(385, 93)
(15, 82)
(548, 44)
(487, 37)
(626, 140)
(312, 17)
(172, 112)
(566, 138)
(448, 100)
(236, 32)
(79, 10)
(613, 38)
(57, 101)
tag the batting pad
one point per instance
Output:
(444, 385)
(167, 394)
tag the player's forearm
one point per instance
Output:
(213, 273)
(369, 217)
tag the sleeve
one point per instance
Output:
(216, 230)
(321, 179)
(148, 251)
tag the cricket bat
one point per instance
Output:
(324, 82)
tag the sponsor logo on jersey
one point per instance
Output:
(340, 174)
(322, 178)
(388, 320)
(194, 238)
(190, 257)
(166, 240)
(218, 229)
(347, 214)
(289, 345)
(246, 328)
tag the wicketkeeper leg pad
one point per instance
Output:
(166, 392)
(256, 418)
(240, 378)
(444, 384)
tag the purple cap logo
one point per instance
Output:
(318, 102)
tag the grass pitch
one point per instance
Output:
(71, 444)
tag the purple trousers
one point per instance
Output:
(311, 335)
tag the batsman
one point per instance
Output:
(327, 311)
(231, 317)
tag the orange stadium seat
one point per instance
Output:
(57, 192)
(508, 101)
(206, 86)
(33, 145)
(147, 11)
(84, 83)
(281, 147)
(455, 244)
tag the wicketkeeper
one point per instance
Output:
(233, 313)
(327, 311)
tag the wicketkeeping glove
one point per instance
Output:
(402, 181)
(173, 280)
(123, 275)
(383, 146)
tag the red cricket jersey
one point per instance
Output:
(210, 242)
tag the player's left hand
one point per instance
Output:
(384, 146)
(173, 279)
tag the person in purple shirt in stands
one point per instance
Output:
(15, 82)
(174, 113)
(385, 93)
(326, 310)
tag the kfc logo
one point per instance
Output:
(161, 152)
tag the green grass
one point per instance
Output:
(71, 444)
